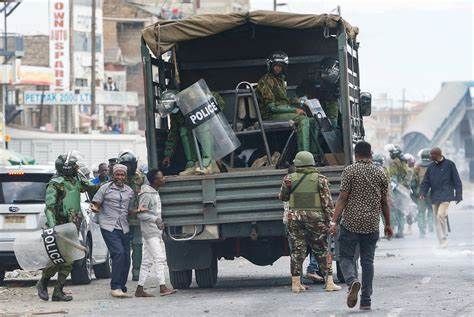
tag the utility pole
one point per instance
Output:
(93, 123)
(274, 5)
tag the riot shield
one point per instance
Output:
(205, 118)
(38, 249)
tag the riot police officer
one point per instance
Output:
(425, 209)
(63, 205)
(276, 105)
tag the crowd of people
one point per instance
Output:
(128, 210)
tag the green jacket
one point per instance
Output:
(398, 171)
(135, 182)
(63, 200)
(273, 97)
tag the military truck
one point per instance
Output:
(236, 213)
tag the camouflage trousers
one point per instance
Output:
(63, 271)
(424, 217)
(308, 228)
(397, 220)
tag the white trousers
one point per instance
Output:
(153, 260)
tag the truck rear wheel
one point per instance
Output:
(181, 279)
(207, 278)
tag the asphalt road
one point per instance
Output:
(413, 278)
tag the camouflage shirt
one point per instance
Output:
(398, 171)
(61, 208)
(324, 192)
(135, 182)
(271, 91)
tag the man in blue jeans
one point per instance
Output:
(113, 203)
(364, 189)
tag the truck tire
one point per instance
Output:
(2, 277)
(207, 278)
(82, 269)
(103, 270)
(181, 279)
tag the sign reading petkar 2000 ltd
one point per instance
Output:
(123, 98)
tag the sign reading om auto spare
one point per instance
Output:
(203, 113)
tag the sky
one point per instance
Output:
(404, 44)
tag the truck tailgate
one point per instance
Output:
(238, 196)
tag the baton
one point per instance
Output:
(447, 223)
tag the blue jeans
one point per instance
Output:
(313, 267)
(118, 244)
(348, 243)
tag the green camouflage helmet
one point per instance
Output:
(304, 158)
(378, 159)
(424, 154)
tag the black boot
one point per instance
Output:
(42, 289)
(59, 296)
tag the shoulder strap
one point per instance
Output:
(298, 183)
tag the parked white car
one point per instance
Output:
(22, 194)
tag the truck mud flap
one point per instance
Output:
(183, 256)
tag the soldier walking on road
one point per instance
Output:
(63, 205)
(425, 210)
(398, 172)
(310, 209)
(364, 191)
(442, 178)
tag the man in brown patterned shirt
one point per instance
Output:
(364, 190)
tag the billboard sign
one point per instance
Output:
(59, 43)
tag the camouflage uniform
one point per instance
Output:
(63, 205)
(425, 209)
(135, 182)
(275, 105)
(398, 173)
(180, 130)
(308, 217)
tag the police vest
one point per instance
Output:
(305, 192)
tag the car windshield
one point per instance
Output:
(23, 189)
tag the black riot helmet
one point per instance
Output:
(277, 58)
(330, 71)
(130, 161)
(395, 152)
(66, 165)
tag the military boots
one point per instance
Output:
(330, 286)
(42, 289)
(59, 295)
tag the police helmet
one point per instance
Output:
(424, 155)
(395, 151)
(129, 160)
(277, 58)
(304, 158)
(167, 103)
(330, 70)
(378, 159)
(66, 165)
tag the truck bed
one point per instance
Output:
(246, 195)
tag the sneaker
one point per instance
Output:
(353, 294)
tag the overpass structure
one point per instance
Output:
(446, 122)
